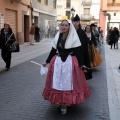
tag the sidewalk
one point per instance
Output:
(112, 57)
(28, 52)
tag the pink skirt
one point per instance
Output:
(80, 90)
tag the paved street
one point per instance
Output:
(21, 89)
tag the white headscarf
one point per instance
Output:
(72, 40)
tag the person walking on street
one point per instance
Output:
(6, 39)
(66, 84)
(84, 47)
(95, 33)
(32, 33)
(37, 33)
(95, 58)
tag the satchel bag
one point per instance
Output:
(17, 47)
(14, 47)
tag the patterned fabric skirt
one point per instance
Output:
(79, 92)
(95, 58)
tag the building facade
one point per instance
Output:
(109, 14)
(44, 14)
(90, 11)
(64, 9)
(18, 14)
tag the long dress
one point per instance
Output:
(84, 49)
(95, 58)
(59, 89)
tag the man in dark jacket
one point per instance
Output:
(95, 33)
(114, 36)
(84, 48)
(6, 38)
(37, 33)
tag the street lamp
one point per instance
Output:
(72, 12)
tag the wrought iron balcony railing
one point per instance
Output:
(86, 2)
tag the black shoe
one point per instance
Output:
(8, 69)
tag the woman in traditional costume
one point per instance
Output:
(66, 83)
(95, 58)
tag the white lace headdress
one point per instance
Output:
(72, 40)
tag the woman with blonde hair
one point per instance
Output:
(66, 83)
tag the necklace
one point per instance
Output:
(64, 36)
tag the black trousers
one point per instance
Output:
(37, 37)
(6, 56)
(114, 43)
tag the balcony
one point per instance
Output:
(86, 2)
(18, 1)
(86, 17)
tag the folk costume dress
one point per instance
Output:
(84, 48)
(95, 58)
(65, 83)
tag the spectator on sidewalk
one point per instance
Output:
(6, 38)
(37, 33)
(32, 34)
(101, 37)
(114, 36)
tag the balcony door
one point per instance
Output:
(86, 11)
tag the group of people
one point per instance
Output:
(34, 34)
(113, 37)
(71, 58)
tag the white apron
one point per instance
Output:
(62, 76)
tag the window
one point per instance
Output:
(54, 3)
(86, 11)
(46, 2)
(68, 3)
(68, 14)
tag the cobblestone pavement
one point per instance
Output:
(21, 95)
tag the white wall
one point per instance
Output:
(95, 10)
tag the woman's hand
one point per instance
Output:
(44, 64)
(85, 69)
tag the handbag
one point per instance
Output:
(110, 42)
(14, 47)
(17, 47)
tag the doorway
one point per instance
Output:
(35, 20)
(26, 28)
(113, 24)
